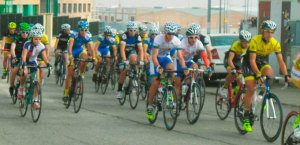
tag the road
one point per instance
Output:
(102, 120)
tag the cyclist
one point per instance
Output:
(148, 44)
(255, 65)
(232, 59)
(161, 59)
(16, 52)
(45, 41)
(191, 45)
(8, 37)
(143, 33)
(30, 53)
(130, 44)
(61, 44)
(78, 38)
(103, 48)
(178, 33)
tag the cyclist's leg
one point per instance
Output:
(12, 76)
(57, 55)
(22, 81)
(107, 54)
(97, 65)
(176, 66)
(5, 63)
(267, 70)
(41, 72)
(83, 55)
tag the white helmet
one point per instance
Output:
(36, 33)
(65, 26)
(39, 27)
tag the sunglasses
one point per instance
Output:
(107, 35)
(132, 30)
(191, 37)
(153, 34)
(171, 33)
(25, 32)
(83, 29)
(36, 38)
(270, 31)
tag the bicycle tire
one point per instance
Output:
(14, 96)
(99, 78)
(105, 81)
(78, 96)
(124, 92)
(113, 79)
(271, 138)
(36, 112)
(133, 101)
(288, 117)
(238, 112)
(219, 101)
(202, 89)
(63, 74)
(71, 92)
(194, 103)
(23, 102)
(171, 125)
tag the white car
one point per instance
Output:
(220, 43)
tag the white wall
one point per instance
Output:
(295, 5)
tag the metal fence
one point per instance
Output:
(18, 18)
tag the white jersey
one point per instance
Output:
(33, 51)
(165, 47)
(190, 51)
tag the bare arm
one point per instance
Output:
(44, 56)
(115, 50)
(56, 44)
(71, 42)
(281, 64)
(122, 49)
(12, 49)
(154, 57)
(47, 47)
(209, 53)
(141, 52)
(24, 54)
(181, 59)
(253, 63)
(90, 47)
(230, 58)
(96, 47)
(145, 51)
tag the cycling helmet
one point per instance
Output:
(131, 25)
(83, 24)
(244, 35)
(195, 25)
(154, 30)
(36, 33)
(170, 27)
(65, 26)
(24, 26)
(107, 30)
(142, 28)
(193, 31)
(12, 25)
(114, 32)
(268, 25)
(39, 27)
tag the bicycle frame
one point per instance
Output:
(267, 93)
(32, 79)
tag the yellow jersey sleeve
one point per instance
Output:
(45, 40)
(276, 46)
(117, 38)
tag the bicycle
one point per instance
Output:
(76, 90)
(16, 86)
(225, 104)
(287, 135)
(131, 86)
(8, 68)
(263, 110)
(145, 82)
(32, 87)
(60, 74)
(165, 100)
(191, 96)
(103, 77)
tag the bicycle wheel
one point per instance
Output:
(223, 104)
(287, 135)
(113, 78)
(193, 104)
(57, 73)
(98, 80)
(23, 103)
(271, 118)
(71, 92)
(202, 92)
(77, 97)
(36, 112)
(105, 80)
(170, 108)
(125, 90)
(156, 106)
(133, 93)
(143, 87)
(239, 112)
(14, 96)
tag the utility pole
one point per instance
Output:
(209, 17)
(220, 17)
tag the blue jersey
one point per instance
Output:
(104, 43)
(150, 43)
(131, 42)
(80, 41)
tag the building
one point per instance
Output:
(114, 14)
(75, 8)
(26, 7)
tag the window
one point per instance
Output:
(58, 8)
(70, 8)
(79, 8)
(223, 40)
(75, 8)
(112, 18)
(84, 7)
(89, 7)
(64, 8)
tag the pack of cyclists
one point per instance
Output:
(157, 51)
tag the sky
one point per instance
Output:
(173, 3)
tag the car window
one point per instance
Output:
(223, 40)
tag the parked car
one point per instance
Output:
(220, 43)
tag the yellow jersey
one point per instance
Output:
(117, 38)
(261, 48)
(45, 39)
(237, 48)
(144, 38)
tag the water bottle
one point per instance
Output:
(184, 89)
(235, 91)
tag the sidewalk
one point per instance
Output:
(289, 96)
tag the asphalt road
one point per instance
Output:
(102, 120)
